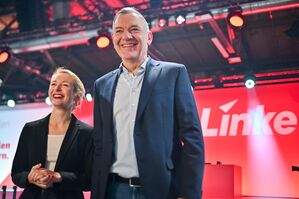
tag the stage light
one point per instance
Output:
(88, 97)
(4, 56)
(180, 19)
(234, 59)
(11, 103)
(163, 21)
(48, 101)
(103, 41)
(203, 17)
(235, 18)
(295, 168)
(220, 47)
(249, 81)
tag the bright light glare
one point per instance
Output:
(11, 103)
(103, 41)
(48, 101)
(4, 57)
(236, 21)
(88, 97)
(180, 19)
(249, 83)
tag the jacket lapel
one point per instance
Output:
(111, 85)
(152, 72)
(67, 141)
(109, 93)
(41, 145)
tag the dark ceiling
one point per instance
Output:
(54, 36)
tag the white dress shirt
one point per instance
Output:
(53, 148)
(124, 113)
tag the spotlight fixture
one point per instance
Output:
(249, 81)
(180, 19)
(5, 55)
(295, 168)
(11, 103)
(88, 97)
(163, 21)
(202, 17)
(234, 59)
(235, 18)
(103, 40)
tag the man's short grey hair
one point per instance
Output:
(129, 10)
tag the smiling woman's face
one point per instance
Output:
(61, 91)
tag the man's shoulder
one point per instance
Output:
(167, 64)
(107, 75)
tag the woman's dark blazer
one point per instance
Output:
(73, 163)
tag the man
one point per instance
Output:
(148, 138)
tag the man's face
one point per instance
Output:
(131, 37)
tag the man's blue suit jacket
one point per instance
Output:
(167, 135)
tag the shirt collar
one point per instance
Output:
(141, 69)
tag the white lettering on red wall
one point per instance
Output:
(254, 121)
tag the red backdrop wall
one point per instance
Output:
(256, 129)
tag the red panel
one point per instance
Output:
(85, 112)
(256, 129)
(222, 181)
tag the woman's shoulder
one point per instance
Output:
(37, 122)
(84, 131)
(32, 128)
(84, 126)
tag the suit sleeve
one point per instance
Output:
(192, 155)
(97, 140)
(20, 169)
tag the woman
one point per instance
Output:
(54, 154)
